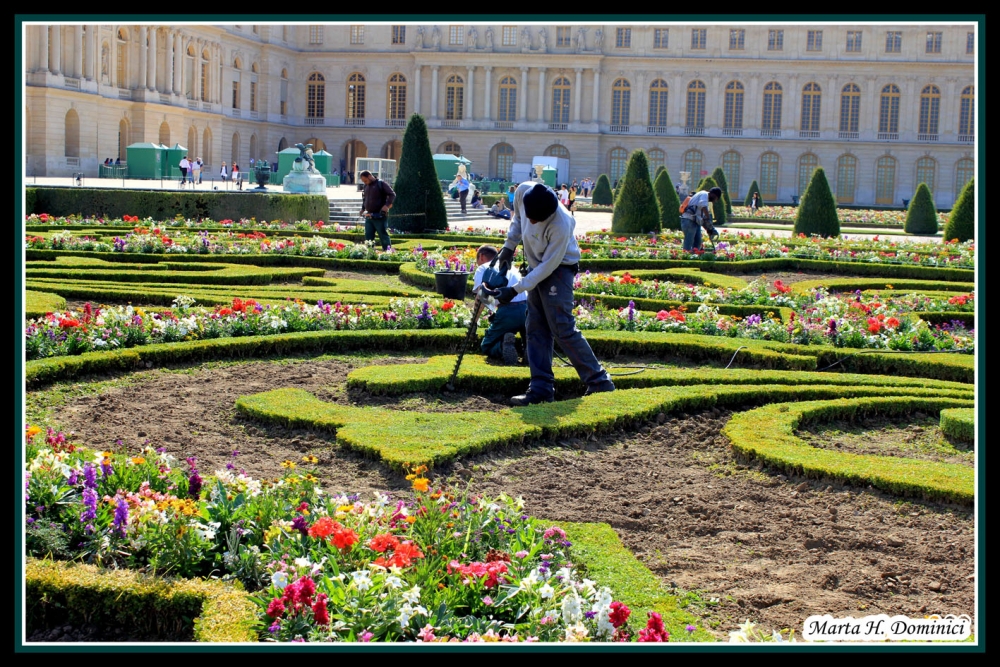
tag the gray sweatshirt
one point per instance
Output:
(547, 243)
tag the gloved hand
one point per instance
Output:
(504, 258)
(503, 294)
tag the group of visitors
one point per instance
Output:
(190, 170)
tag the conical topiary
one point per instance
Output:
(417, 187)
(666, 197)
(720, 178)
(618, 188)
(921, 217)
(602, 192)
(753, 188)
(656, 174)
(636, 209)
(719, 207)
(817, 212)
(961, 224)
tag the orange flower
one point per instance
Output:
(32, 431)
(421, 484)
(447, 305)
(323, 528)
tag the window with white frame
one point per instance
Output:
(357, 34)
(775, 40)
(399, 34)
(814, 40)
(623, 38)
(933, 42)
(893, 41)
(509, 35)
(737, 39)
(661, 38)
(315, 34)
(699, 37)
(853, 41)
(456, 35)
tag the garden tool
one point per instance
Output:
(492, 280)
(710, 231)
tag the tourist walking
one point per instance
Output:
(376, 201)
(184, 165)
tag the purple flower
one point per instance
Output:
(106, 468)
(589, 614)
(73, 475)
(300, 524)
(631, 311)
(121, 517)
(690, 628)
(194, 484)
(89, 476)
(274, 627)
(89, 507)
(753, 320)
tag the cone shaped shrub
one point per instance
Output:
(921, 217)
(753, 188)
(720, 178)
(602, 191)
(666, 197)
(817, 212)
(417, 183)
(656, 175)
(962, 220)
(718, 208)
(619, 184)
(636, 209)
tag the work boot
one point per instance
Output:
(509, 349)
(599, 388)
(528, 398)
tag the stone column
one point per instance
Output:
(178, 63)
(753, 110)
(196, 72)
(416, 89)
(487, 111)
(868, 113)
(641, 100)
(577, 92)
(597, 97)
(78, 51)
(168, 63)
(831, 99)
(949, 110)
(43, 48)
(471, 71)
(541, 94)
(89, 63)
(151, 60)
(791, 111)
(676, 99)
(909, 107)
(522, 112)
(55, 62)
(143, 56)
(434, 90)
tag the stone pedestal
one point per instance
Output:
(301, 181)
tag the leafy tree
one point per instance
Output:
(720, 178)
(753, 188)
(602, 191)
(636, 209)
(667, 198)
(417, 183)
(921, 217)
(817, 212)
(962, 220)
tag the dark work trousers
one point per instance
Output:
(462, 196)
(509, 318)
(372, 225)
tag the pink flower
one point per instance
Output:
(426, 633)
(488, 601)
(365, 636)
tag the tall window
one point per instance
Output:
(775, 40)
(888, 110)
(847, 167)
(204, 76)
(121, 49)
(807, 165)
(964, 171)
(733, 116)
(771, 119)
(357, 34)
(814, 40)
(315, 34)
(893, 41)
(356, 96)
(454, 96)
(853, 41)
(811, 95)
(885, 180)
(253, 96)
(850, 108)
(619, 160)
(692, 163)
(658, 103)
(967, 112)
(926, 168)
(236, 94)
(510, 35)
(699, 37)
(560, 100)
(397, 97)
(508, 99)
(316, 96)
(731, 168)
(563, 37)
(283, 95)
(399, 34)
(621, 97)
(504, 161)
(769, 176)
(661, 38)
(930, 106)
(970, 42)
(657, 159)
(456, 35)
(623, 38)
(737, 39)
(933, 42)
(695, 116)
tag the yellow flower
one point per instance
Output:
(311, 478)
(421, 484)
(272, 533)
(410, 478)
(138, 460)
(346, 508)
(310, 459)
(33, 431)
(889, 287)
(411, 519)
(288, 464)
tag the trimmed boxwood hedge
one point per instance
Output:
(326, 263)
(852, 284)
(37, 304)
(959, 423)
(654, 305)
(688, 275)
(223, 274)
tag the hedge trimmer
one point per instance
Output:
(492, 280)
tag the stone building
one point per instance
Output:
(880, 107)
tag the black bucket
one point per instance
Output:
(451, 284)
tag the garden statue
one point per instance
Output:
(304, 178)
(306, 154)
(598, 39)
(525, 39)
(419, 44)
(542, 39)
(436, 38)
(581, 40)
(473, 38)
(489, 39)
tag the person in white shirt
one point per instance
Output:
(184, 165)
(507, 319)
(563, 195)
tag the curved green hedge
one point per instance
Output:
(326, 263)
(653, 305)
(959, 423)
(689, 275)
(852, 284)
(37, 304)
(223, 274)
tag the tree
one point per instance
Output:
(720, 178)
(602, 191)
(817, 212)
(961, 223)
(921, 216)
(417, 183)
(636, 209)
(666, 197)
(656, 175)
(719, 207)
(753, 188)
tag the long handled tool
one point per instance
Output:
(492, 279)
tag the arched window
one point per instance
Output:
(253, 146)
(234, 152)
(733, 111)
(850, 108)
(396, 101)
(930, 108)
(926, 168)
(847, 167)
(206, 146)
(888, 110)
(964, 171)
(164, 134)
(658, 104)
(192, 142)
(454, 98)
(807, 165)
(121, 59)
(557, 150)
(282, 144)
(320, 145)
(967, 114)
(507, 100)
(355, 96)
(811, 95)
(316, 96)
(204, 75)
(503, 160)
(769, 176)
(72, 138)
(450, 148)
(621, 98)
(283, 93)
(190, 70)
(657, 158)
(731, 168)
(771, 118)
(885, 180)
(692, 163)
(695, 116)
(253, 87)
(619, 160)
(560, 100)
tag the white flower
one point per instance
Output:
(393, 582)
(738, 637)
(361, 579)
(571, 612)
(413, 595)
(576, 633)
(529, 581)
(546, 591)
(279, 580)
(303, 562)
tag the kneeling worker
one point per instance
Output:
(546, 230)
(506, 319)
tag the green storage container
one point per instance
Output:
(549, 176)
(446, 165)
(285, 160)
(323, 162)
(173, 159)
(145, 160)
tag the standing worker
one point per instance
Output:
(546, 230)
(376, 201)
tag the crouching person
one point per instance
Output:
(506, 319)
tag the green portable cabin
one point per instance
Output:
(145, 160)
(549, 177)
(446, 165)
(173, 159)
(324, 164)
(285, 160)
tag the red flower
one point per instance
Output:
(44, 217)
(323, 528)
(874, 326)
(68, 323)
(619, 614)
(344, 538)
(276, 608)
(383, 542)
(320, 613)
(654, 630)
(225, 311)
(782, 287)
(447, 305)
(891, 323)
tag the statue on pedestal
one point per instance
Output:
(598, 40)
(525, 39)
(436, 38)
(473, 38)
(580, 40)
(489, 39)
(419, 44)
(542, 39)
